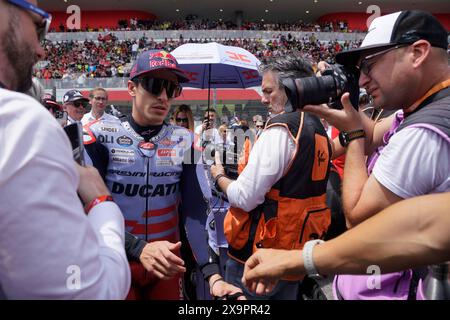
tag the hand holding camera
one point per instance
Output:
(333, 96)
(328, 88)
(348, 119)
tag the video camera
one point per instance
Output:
(328, 88)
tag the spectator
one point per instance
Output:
(53, 239)
(183, 117)
(134, 49)
(75, 105)
(74, 56)
(258, 122)
(55, 109)
(285, 179)
(259, 126)
(98, 99)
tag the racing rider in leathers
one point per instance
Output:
(157, 179)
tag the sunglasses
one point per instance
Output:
(79, 103)
(41, 27)
(181, 119)
(156, 86)
(365, 65)
(100, 98)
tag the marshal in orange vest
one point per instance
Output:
(294, 210)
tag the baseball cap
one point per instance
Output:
(73, 95)
(152, 60)
(403, 27)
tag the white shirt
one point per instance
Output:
(88, 117)
(415, 162)
(212, 135)
(49, 249)
(267, 163)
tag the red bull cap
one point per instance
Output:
(152, 60)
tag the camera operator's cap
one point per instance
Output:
(152, 60)
(73, 95)
(403, 27)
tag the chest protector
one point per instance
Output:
(294, 210)
(144, 176)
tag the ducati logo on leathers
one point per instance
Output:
(145, 191)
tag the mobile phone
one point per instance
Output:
(75, 133)
(207, 122)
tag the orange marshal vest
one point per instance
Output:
(294, 210)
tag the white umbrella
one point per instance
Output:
(212, 65)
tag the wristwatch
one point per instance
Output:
(307, 255)
(346, 137)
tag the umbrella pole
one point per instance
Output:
(209, 94)
(209, 89)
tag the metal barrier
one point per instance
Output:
(111, 83)
(204, 34)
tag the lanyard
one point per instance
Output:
(440, 86)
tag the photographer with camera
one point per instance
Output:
(416, 158)
(282, 188)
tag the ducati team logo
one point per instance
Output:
(146, 145)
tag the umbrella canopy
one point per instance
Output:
(212, 65)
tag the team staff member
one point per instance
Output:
(149, 167)
(75, 104)
(279, 200)
(98, 99)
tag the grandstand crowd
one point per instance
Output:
(108, 56)
(135, 24)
